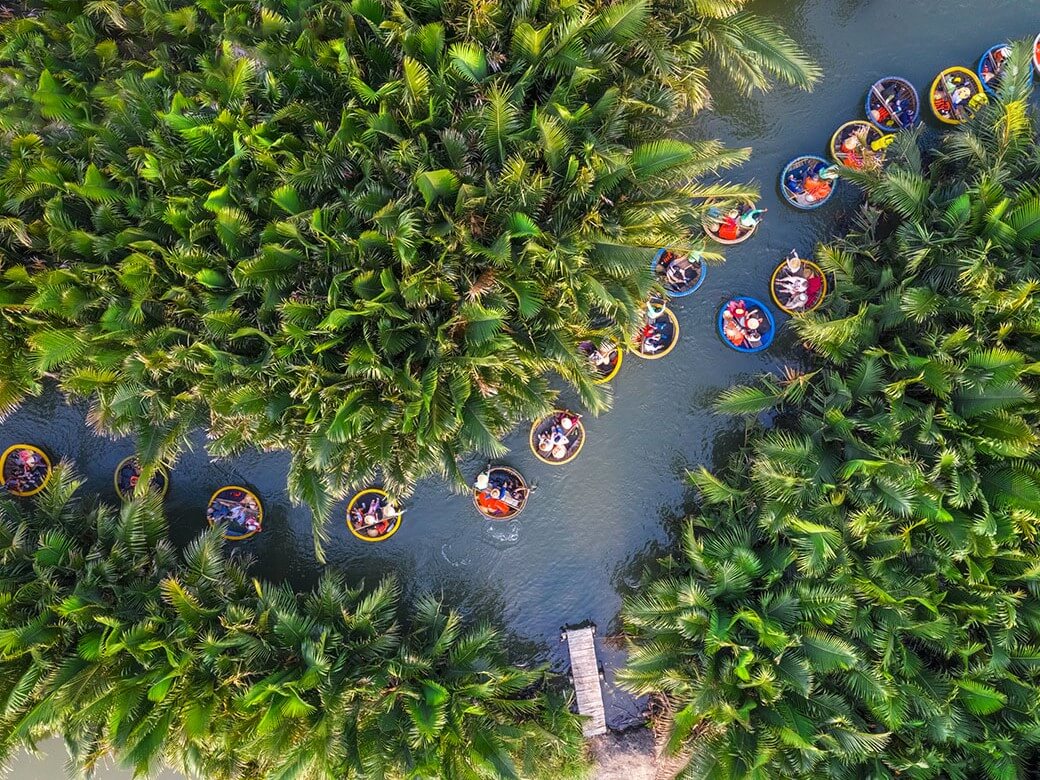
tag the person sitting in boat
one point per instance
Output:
(795, 183)
(754, 326)
(568, 420)
(881, 115)
(357, 518)
(678, 273)
(751, 331)
(652, 343)
(646, 332)
(545, 443)
(750, 217)
(238, 515)
(483, 479)
(31, 467)
(651, 312)
(852, 151)
(492, 503)
(816, 188)
(603, 356)
(991, 74)
(731, 329)
(960, 97)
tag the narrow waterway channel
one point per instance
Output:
(592, 525)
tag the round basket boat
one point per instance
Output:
(605, 359)
(657, 337)
(505, 495)
(127, 473)
(557, 438)
(798, 285)
(372, 516)
(1036, 53)
(746, 324)
(680, 275)
(893, 104)
(992, 65)
(240, 511)
(956, 95)
(803, 184)
(860, 145)
(26, 469)
(725, 228)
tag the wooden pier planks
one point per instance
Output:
(581, 642)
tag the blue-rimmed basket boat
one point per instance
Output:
(692, 270)
(892, 104)
(794, 177)
(992, 65)
(743, 308)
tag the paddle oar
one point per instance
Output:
(949, 93)
(884, 102)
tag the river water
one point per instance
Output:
(591, 526)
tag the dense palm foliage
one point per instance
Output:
(115, 642)
(362, 232)
(859, 596)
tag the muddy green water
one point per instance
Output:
(592, 525)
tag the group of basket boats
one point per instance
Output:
(893, 104)
(744, 323)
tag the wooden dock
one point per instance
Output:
(585, 673)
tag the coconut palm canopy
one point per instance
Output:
(362, 232)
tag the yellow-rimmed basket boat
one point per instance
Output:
(127, 473)
(605, 359)
(238, 526)
(372, 516)
(798, 286)
(956, 95)
(657, 337)
(26, 469)
(557, 438)
(504, 496)
(860, 145)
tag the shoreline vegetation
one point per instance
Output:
(366, 233)
(859, 594)
(123, 646)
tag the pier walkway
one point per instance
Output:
(585, 673)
